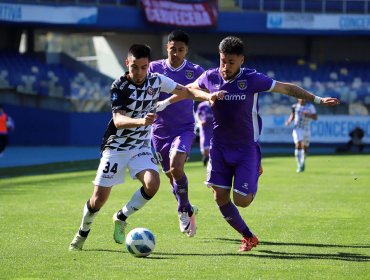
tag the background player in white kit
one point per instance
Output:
(126, 142)
(302, 114)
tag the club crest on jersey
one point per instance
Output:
(242, 84)
(150, 90)
(189, 74)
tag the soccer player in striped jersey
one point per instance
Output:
(235, 155)
(302, 114)
(173, 127)
(126, 142)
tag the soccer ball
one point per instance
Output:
(140, 242)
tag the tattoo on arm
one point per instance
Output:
(300, 93)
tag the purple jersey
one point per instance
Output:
(179, 116)
(236, 118)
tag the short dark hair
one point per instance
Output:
(231, 45)
(139, 51)
(179, 36)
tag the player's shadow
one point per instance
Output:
(298, 244)
(291, 255)
(152, 256)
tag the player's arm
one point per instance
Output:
(290, 119)
(121, 121)
(161, 105)
(197, 94)
(300, 93)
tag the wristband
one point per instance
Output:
(317, 100)
(166, 102)
(161, 105)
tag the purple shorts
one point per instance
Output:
(204, 139)
(167, 147)
(234, 164)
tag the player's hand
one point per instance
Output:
(149, 119)
(329, 101)
(161, 105)
(218, 95)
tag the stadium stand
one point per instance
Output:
(80, 2)
(303, 6)
(347, 81)
(28, 74)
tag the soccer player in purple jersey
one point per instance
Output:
(302, 114)
(173, 127)
(204, 118)
(235, 155)
(126, 142)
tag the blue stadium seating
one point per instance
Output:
(318, 6)
(29, 75)
(348, 81)
(80, 2)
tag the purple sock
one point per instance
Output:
(232, 216)
(180, 187)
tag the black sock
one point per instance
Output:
(90, 208)
(121, 216)
(83, 233)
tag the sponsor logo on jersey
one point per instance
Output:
(123, 85)
(242, 84)
(150, 90)
(114, 96)
(189, 74)
(143, 154)
(234, 97)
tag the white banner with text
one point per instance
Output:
(327, 129)
(341, 22)
(48, 14)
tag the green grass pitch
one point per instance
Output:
(313, 225)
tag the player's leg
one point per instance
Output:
(204, 142)
(246, 177)
(205, 158)
(220, 172)
(162, 148)
(90, 211)
(110, 172)
(142, 166)
(299, 148)
(306, 144)
(3, 143)
(179, 152)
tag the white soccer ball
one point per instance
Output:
(140, 242)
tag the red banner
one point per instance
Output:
(181, 14)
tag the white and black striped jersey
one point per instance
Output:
(300, 120)
(136, 101)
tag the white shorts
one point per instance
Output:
(113, 164)
(300, 134)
